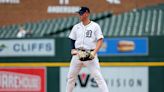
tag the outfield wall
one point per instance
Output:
(58, 50)
(41, 65)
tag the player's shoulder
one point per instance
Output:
(77, 25)
(95, 23)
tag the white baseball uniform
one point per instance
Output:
(85, 37)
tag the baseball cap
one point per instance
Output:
(83, 10)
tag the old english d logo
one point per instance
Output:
(89, 33)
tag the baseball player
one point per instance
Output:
(86, 38)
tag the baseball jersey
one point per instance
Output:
(86, 36)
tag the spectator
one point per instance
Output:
(23, 33)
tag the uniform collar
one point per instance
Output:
(87, 24)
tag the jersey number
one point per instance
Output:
(89, 33)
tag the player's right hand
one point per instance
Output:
(74, 52)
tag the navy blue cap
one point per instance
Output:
(83, 10)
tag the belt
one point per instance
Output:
(81, 49)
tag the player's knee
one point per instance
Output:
(71, 77)
(96, 72)
(97, 75)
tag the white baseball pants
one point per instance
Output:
(92, 65)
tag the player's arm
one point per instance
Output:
(72, 44)
(98, 46)
(99, 37)
(73, 50)
(72, 37)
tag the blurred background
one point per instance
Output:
(35, 49)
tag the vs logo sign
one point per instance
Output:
(85, 80)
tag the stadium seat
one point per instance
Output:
(112, 26)
(124, 24)
(148, 21)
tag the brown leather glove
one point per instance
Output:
(85, 55)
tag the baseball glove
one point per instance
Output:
(85, 55)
